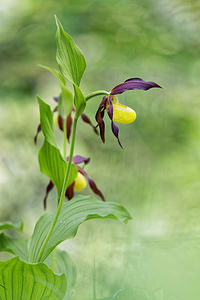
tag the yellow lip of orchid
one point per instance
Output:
(80, 182)
(122, 113)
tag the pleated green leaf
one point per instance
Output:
(73, 213)
(14, 246)
(23, 281)
(13, 225)
(50, 159)
(69, 57)
(63, 264)
(79, 101)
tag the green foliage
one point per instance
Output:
(79, 101)
(63, 264)
(50, 159)
(17, 225)
(14, 246)
(22, 281)
(73, 213)
(69, 57)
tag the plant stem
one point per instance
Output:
(65, 138)
(53, 259)
(65, 184)
(96, 93)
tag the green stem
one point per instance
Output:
(96, 93)
(65, 184)
(65, 138)
(53, 259)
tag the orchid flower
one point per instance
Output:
(116, 111)
(79, 183)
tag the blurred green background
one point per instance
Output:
(156, 177)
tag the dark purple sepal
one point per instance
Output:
(39, 128)
(110, 108)
(115, 131)
(134, 84)
(69, 126)
(99, 118)
(77, 159)
(56, 99)
(70, 191)
(48, 189)
(92, 184)
(87, 120)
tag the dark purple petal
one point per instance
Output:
(87, 120)
(134, 84)
(69, 126)
(77, 159)
(110, 108)
(99, 118)
(60, 122)
(48, 189)
(92, 184)
(56, 99)
(39, 128)
(70, 191)
(115, 131)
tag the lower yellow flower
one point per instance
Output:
(80, 182)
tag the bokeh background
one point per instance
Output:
(157, 175)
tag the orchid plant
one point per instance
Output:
(39, 269)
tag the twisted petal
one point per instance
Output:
(134, 84)
(92, 184)
(87, 120)
(69, 126)
(70, 191)
(39, 128)
(77, 159)
(115, 131)
(99, 118)
(114, 127)
(48, 189)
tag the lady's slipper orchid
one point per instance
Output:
(79, 183)
(116, 111)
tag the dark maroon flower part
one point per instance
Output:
(115, 110)
(133, 84)
(77, 159)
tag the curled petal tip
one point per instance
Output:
(134, 84)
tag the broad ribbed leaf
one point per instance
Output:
(23, 281)
(79, 101)
(64, 264)
(73, 213)
(69, 57)
(46, 120)
(50, 159)
(56, 73)
(14, 246)
(13, 225)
